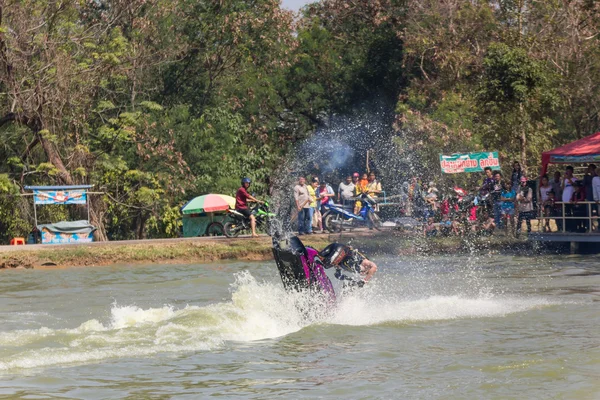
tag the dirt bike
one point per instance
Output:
(240, 223)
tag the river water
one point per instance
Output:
(454, 327)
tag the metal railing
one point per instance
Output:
(592, 209)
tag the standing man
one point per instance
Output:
(302, 199)
(495, 195)
(346, 192)
(241, 203)
(557, 185)
(587, 182)
(524, 206)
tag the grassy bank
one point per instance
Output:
(148, 252)
(204, 251)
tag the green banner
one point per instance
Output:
(469, 162)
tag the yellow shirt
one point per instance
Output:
(313, 196)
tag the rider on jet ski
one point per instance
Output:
(346, 258)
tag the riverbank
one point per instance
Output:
(204, 250)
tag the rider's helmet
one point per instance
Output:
(334, 254)
(246, 180)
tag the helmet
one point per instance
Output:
(334, 254)
(246, 180)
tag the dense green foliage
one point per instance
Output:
(157, 101)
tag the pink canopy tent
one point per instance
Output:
(584, 150)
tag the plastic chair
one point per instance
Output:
(17, 241)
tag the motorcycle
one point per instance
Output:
(337, 218)
(240, 223)
(301, 268)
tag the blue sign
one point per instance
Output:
(49, 237)
(60, 197)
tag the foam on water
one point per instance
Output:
(257, 311)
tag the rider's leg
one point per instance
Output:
(253, 225)
(368, 268)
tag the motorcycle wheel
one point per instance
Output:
(333, 222)
(215, 229)
(375, 220)
(231, 229)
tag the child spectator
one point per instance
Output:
(551, 209)
(507, 197)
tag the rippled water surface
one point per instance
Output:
(449, 327)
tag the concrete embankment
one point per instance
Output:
(205, 250)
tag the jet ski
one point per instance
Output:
(301, 268)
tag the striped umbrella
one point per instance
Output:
(209, 203)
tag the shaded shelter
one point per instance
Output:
(585, 150)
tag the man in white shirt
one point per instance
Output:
(346, 192)
(302, 199)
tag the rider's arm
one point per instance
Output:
(251, 198)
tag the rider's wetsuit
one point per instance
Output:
(343, 257)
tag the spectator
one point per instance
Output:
(431, 197)
(488, 225)
(579, 210)
(346, 192)
(557, 185)
(567, 189)
(325, 195)
(359, 189)
(515, 178)
(507, 198)
(473, 218)
(555, 210)
(495, 193)
(587, 182)
(488, 181)
(524, 206)
(373, 186)
(547, 208)
(315, 217)
(302, 199)
(486, 188)
(567, 185)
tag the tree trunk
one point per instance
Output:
(523, 140)
(55, 159)
(140, 226)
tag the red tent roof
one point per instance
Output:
(580, 151)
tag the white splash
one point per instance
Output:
(257, 311)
